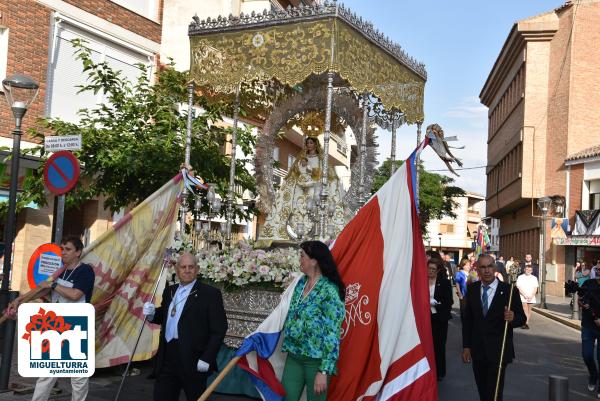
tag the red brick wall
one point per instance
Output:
(29, 39)
(123, 17)
(29, 25)
(558, 107)
(575, 189)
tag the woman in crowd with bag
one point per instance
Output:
(313, 325)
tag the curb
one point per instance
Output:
(575, 324)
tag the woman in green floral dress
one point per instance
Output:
(313, 326)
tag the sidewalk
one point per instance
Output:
(558, 309)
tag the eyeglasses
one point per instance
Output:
(486, 266)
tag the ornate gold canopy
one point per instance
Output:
(291, 45)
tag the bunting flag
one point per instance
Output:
(483, 241)
(127, 260)
(386, 351)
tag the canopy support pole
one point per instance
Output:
(363, 148)
(393, 152)
(419, 124)
(231, 191)
(325, 168)
(188, 151)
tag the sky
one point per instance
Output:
(458, 41)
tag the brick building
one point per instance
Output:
(35, 40)
(541, 94)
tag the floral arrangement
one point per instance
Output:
(244, 265)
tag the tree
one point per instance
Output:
(134, 142)
(436, 193)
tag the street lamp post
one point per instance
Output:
(544, 204)
(440, 238)
(20, 92)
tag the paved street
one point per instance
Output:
(548, 348)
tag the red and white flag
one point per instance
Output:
(386, 351)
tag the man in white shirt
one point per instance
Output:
(194, 324)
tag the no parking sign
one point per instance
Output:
(61, 172)
(43, 263)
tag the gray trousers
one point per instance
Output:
(43, 387)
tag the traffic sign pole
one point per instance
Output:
(59, 216)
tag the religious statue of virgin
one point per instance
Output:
(295, 214)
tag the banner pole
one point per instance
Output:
(165, 262)
(219, 379)
(513, 273)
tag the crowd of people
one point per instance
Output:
(481, 286)
(193, 320)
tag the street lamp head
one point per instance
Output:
(20, 92)
(544, 204)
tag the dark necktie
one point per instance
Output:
(484, 299)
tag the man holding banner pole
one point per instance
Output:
(73, 283)
(485, 342)
(194, 324)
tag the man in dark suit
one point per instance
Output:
(486, 312)
(194, 324)
(501, 268)
(529, 262)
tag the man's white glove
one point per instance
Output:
(202, 366)
(149, 310)
(433, 302)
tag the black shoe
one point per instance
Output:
(525, 327)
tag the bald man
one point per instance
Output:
(193, 327)
(486, 311)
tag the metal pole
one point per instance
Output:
(363, 147)
(188, 151)
(418, 161)
(325, 168)
(558, 388)
(230, 192)
(9, 235)
(543, 262)
(59, 218)
(575, 312)
(393, 155)
(165, 262)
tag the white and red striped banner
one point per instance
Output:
(386, 351)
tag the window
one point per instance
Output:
(145, 8)
(3, 52)
(447, 228)
(276, 154)
(66, 72)
(594, 195)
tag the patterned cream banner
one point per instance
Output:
(127, 261)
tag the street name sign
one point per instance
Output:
(66, 142)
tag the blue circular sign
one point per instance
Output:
(61, 172)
